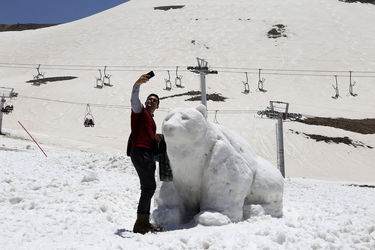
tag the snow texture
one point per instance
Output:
(215, 174)
(45, 205)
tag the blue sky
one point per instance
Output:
(51, 11)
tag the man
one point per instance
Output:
(143, 133)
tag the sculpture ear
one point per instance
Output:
(202, 109)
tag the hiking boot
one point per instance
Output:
(142, 225)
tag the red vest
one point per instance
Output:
(143, 129)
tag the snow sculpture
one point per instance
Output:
(216, 174)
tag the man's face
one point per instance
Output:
(152, 103)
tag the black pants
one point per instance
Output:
(144, 163)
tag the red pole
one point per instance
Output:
(32, 138)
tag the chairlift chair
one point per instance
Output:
(246, 85)
(261, 82)
(351, 85)
(107, 78)
(336, 88)
(168, 84)
(107, 81)
(7, 109)
(39, 74)
(178, 80)
(99, 81)
(88, 121)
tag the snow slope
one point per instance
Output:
(324, 35)
(80, 200)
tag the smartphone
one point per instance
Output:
(150, 74)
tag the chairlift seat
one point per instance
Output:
(6, 110)
(89, 123)
(9, 107)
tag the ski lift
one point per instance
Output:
(13, 94)
(246, 85)
(39, 75)
(107, 78)
(89, 118)
(336, 88)
(99, 81)
(261, 83)
(168, 84)
(351, 85)
(7, 109)
(215, 119)
(178, 79)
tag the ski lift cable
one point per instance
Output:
(173, 66)
(145, 67)
(296, 70)
(126, 107)
(297, 74)
(117, 106)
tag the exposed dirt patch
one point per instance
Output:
(51, 79)
(362, 185)
(213, 97)
(197, 96)
(177, 95)
(345, 140)
(11, 149)
(362, 126)
(25, 26)
(361, 1)
(169, 7)
(277, 31)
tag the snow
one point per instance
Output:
(87, 190)
(45, 205)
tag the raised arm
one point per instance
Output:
(134, 99)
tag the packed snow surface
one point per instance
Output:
(79, 200)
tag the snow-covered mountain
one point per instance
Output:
(88, 200)
(317, 39)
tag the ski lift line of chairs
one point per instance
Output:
(260, 83)
(88, 121)
(103, 80)
(351, 85)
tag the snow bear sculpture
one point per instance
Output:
(216, 174)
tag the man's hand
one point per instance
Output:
(158, 137)
(142, 80)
